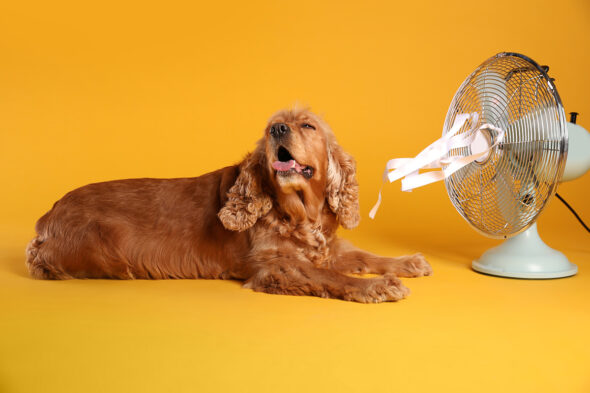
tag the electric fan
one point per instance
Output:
(502, 154)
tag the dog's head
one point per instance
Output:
(298, 167)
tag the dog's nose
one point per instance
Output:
(279, 129)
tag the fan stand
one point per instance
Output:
(525, 256)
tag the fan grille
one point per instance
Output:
(503, 194)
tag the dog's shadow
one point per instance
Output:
(12, 262)
(12, 259)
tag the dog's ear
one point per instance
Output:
(342, 187)
(246, 201)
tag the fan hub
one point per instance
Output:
(481, 144)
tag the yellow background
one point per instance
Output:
(114, 89)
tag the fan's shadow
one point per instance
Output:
(457, 252)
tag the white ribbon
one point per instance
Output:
(435, 156)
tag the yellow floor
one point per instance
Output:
(458, 331)
(122, 89)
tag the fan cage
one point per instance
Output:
(504, 194)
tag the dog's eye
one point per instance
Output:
(307, 125)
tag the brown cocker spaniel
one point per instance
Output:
(270, 221)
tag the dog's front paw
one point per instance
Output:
(413, 266)
(387, 288)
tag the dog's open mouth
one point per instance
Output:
(287, 165)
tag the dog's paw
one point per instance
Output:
(387, 288)
(414, 266)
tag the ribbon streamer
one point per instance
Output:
(435, 156)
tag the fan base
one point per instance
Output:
(525, 256)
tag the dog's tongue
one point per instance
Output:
(285, 166)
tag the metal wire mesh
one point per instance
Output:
(503, 195)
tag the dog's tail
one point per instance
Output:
(38, 261)
(38, 254)
(32, 257)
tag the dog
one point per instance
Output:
(270, 221)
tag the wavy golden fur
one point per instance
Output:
(270, 221)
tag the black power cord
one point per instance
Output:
(573, 211)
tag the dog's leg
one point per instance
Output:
(292, 277)
(349, 259)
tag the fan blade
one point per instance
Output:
(505, 191)
(492, 94)
(529, 144)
